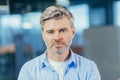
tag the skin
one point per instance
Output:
(58, 36)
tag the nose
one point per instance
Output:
(57, 37)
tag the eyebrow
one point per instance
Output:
(59, 29)
(64, 28)
(50, 30)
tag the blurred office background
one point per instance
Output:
(97, 36)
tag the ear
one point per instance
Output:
(73, 32)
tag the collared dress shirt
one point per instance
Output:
(77, 68)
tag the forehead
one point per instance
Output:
(63, 22)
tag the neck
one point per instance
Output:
(58, 57)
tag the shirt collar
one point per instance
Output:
(44, 60)
(71, 62)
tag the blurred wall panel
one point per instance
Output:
(102, 44)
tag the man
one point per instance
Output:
(58, 62)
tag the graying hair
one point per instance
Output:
(56, 12)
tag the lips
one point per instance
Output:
(58, 45)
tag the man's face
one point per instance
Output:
(58, 35)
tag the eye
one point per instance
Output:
(63, 30)
(50, 32)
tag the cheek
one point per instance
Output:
(68, 38)
(47, 39)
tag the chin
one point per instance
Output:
(60, 51)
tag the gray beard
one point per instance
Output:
(59, 52)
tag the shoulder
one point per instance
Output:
(82, 61)
(87, 68)
(33, 63)
(85, 65)
(29, 69)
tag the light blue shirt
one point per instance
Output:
(78, 68)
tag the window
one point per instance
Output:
(116, 7)
(81, 16)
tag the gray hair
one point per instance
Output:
(56, 12)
